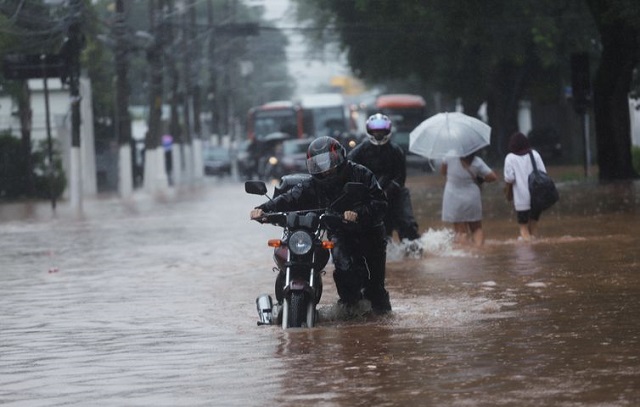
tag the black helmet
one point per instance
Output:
(324, 157)
(378, 129)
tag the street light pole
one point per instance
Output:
(52, 168)
(587, 147)
(581, 93)
(196, 145)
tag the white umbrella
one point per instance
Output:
(449, 134)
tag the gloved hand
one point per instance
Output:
(392, 189)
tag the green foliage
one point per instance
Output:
(36, 26)
(48, 178)
(268, 80)
(456, 47)
(13, 179)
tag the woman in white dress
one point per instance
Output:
(462, 201)
(517, 167)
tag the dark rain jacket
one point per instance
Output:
(311, 194)
(386, 161)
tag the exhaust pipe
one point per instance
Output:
(264, 305)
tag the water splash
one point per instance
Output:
(340, 312)
(433, 242)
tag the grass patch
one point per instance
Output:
(635, 158)
(571, 173)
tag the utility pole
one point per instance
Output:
(173, 76)
(187, 64)
(212, 66)
(52, 167)
(155, 176)
(195, 90)
(71, 50)
(187, 73)
(123, 119)
(581, 90)
(196, 105)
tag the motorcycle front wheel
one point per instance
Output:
(298, 310)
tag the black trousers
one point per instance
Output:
(359, 261)
(399, 216)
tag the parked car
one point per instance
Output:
(217, 160)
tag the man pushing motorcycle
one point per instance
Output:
(359, 254)
(388, 162)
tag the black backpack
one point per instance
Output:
(542, 188)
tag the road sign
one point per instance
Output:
(29, 66)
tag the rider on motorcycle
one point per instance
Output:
(388, 162)
(359, 253)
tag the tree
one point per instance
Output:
(36, 26)
(155, 70)
(496, 51)
(28, 28)
(218, 27)
(619, 25)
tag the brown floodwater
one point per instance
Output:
(151, 301)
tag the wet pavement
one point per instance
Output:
(151, 301)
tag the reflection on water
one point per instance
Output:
(152, 302)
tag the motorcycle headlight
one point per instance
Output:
(273, 160)
(300, 243)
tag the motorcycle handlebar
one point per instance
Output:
(326, 216)
(274, 218)
(335, 221)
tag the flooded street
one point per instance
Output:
(151, 302)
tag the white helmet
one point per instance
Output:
(378, 129)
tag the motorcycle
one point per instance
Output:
(300, 255)
(348, 140)
(270, 168)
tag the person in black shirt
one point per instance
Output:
(388, 162)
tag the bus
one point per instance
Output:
(324, 114)
(312, 115)
(280, 116)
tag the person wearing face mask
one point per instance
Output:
(359, 255)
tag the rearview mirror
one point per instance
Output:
(255, 187)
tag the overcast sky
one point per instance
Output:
(309, 74)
